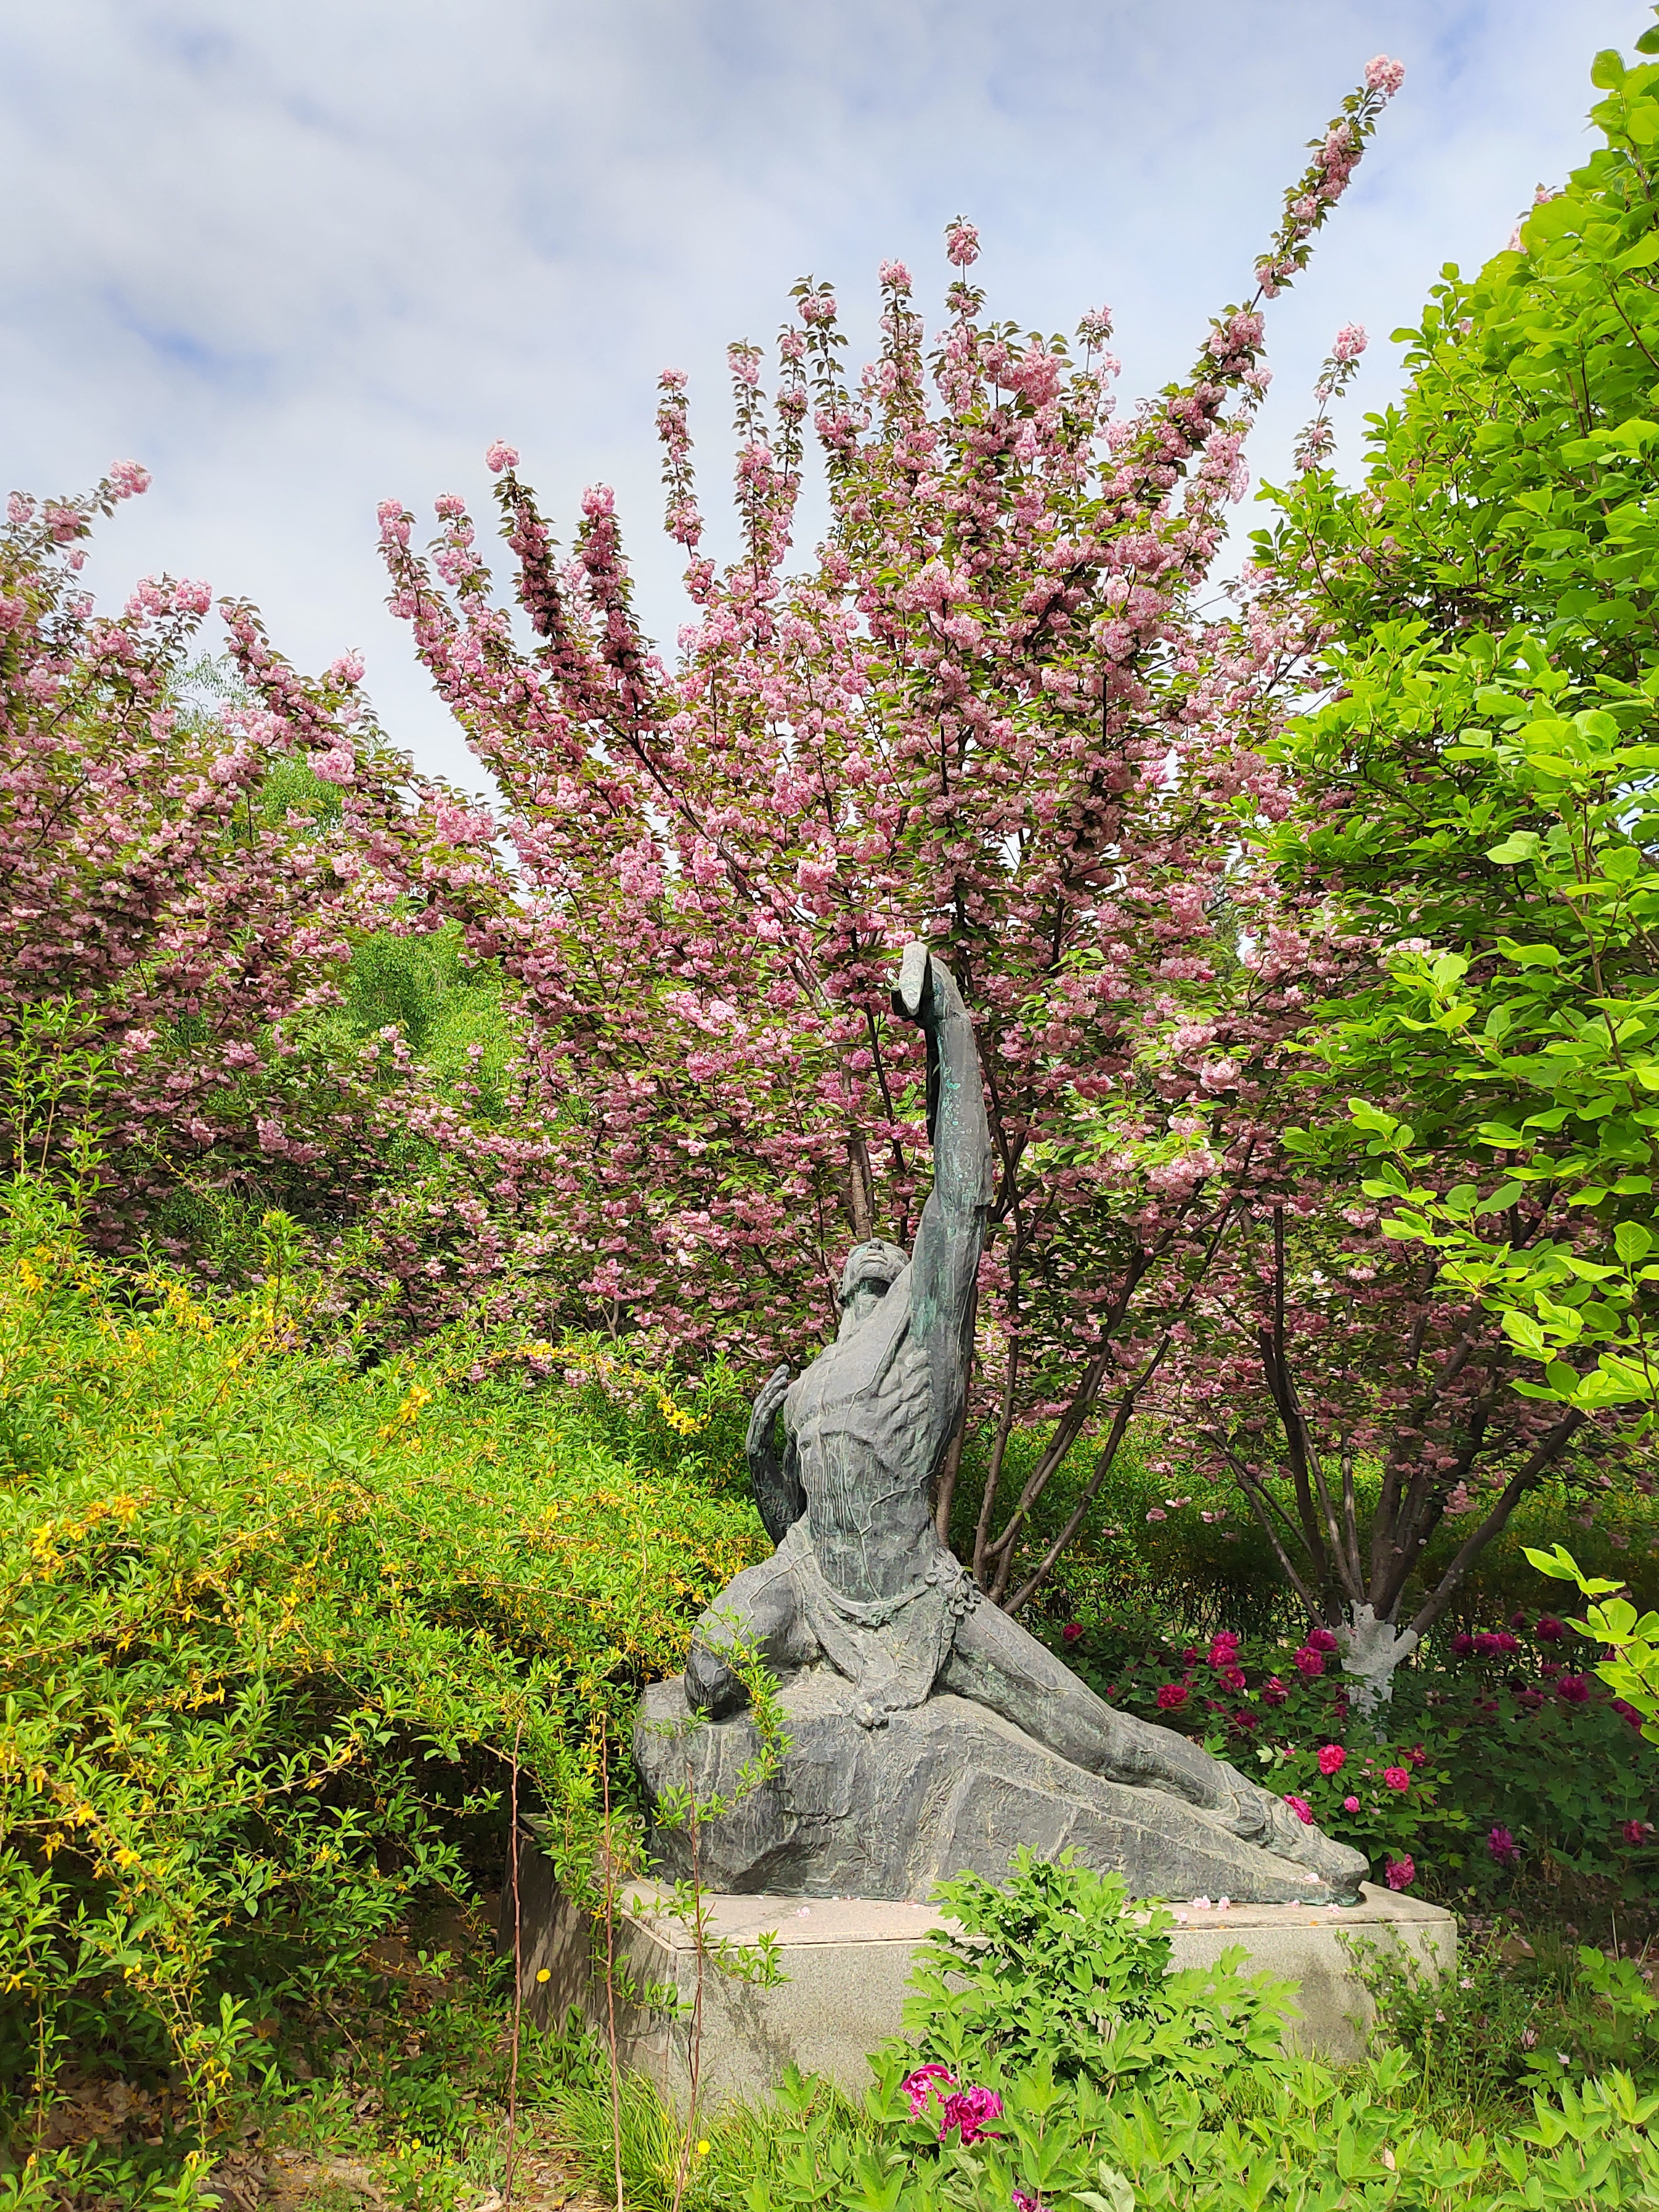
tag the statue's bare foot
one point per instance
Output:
(1337, 1866)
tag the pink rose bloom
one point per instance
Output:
(1321, 1639)
(1549, 1629)
(1385, 76)
(1310, 1662)
(1635, 1830)
(1070, 1632)
(1502, 1845)
(1171, 1694)
(1301, 1807)
(972, 2111)
(916, 2085)
(1351, 1804)
(1396, 1777)
(500, 457)
(1572, 1689)
(1332, 1759)
(1273, 1691)
(1400, 1873)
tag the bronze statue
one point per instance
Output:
(867, 1616)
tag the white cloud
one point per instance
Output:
(298, 256)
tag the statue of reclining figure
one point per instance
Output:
(859, 1578)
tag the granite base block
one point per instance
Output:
(848, 1961)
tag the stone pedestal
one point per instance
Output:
(848, 1961)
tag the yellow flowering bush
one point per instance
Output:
(269, 1626)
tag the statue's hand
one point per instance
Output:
(758, 1443)
(914, 991)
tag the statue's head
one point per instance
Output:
(870, 1269)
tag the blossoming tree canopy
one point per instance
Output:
(984, 713)
(183, 876)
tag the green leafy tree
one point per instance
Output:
(1479, 784)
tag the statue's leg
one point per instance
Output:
(1001, 1665)
(757, 1615)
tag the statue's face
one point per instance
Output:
(859, 1304)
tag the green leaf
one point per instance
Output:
(1632, 1241)
(1608, 70)
(1557, 1561)
(1500, 1134)
(1519, 845)
(1372, 1117)
(1523, 1331)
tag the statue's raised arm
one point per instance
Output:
(944, 1265)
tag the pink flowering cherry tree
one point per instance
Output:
(984, 711)
(171, 926)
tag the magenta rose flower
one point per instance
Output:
(917, 2086)
(972, 2111)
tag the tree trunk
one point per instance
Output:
(1371, 1649)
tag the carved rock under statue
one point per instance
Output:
(930, 1734)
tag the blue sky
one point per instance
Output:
(300, 255)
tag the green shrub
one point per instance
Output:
(1049, 2118)
(270, 1630)
(1307, 2140)
(1056, 1967)
(1510, 1763)
(1518, 2015)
